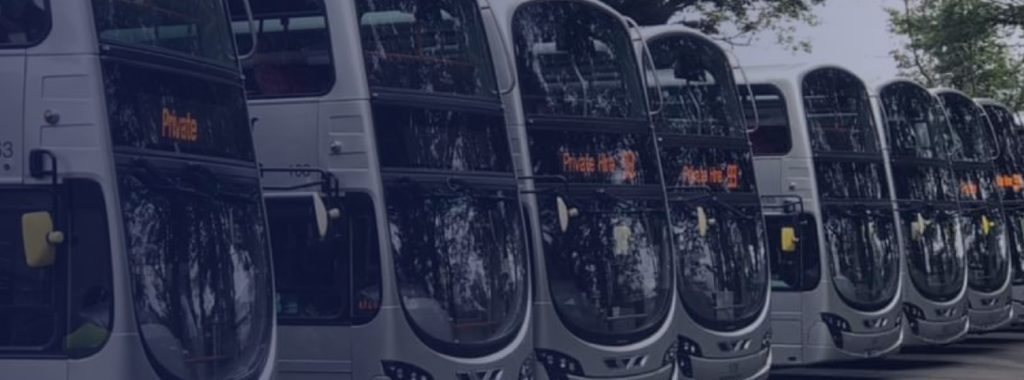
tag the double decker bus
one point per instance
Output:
(918, 145)
(983, 225)
(133, 241)
(836, 288)
(593, 192)
(1010, 184)
(722, 275)
(399, 240)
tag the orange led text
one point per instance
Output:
(180, 128)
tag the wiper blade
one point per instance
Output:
(454, 188)
(151, 178)
(209, 183)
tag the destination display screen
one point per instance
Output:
(718, 170)
(152, 109)
(976, 185)
(615, 159)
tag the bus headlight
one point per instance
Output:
(766, 341)
(836, 327)
(688, 349)
(404, 371)
(558, 365)
(526, 370)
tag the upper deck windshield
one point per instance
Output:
(850, 169)
(919, 136)
(576, 60)
(972, 137)
(434, 46)
(194, 28)
(723, 270)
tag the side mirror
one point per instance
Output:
(702, 222)
(565, 213)
(322, 216)
(789, 239)
(986, 225)
(623, 234)
(39, 239)
(918, 227)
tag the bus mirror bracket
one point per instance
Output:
(750, 91)
(253, 32)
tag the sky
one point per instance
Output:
(853, 33)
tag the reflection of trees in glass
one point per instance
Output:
(865, 259)
(576, 60)
(936, 260)
(460, 262)
(852, 180)
(723, 276)
(608, 272)
(698, 87)
(426, 45)
(986, 253)
(201, 278)
(441, 139)
(915, 121)
(838, 112)
(972, 137)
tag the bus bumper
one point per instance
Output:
(854, 346)
(990, 319)
(936, 332)
(750, 367)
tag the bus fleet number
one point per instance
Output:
(6, 149)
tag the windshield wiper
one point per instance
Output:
(710, 199)
(453, 188)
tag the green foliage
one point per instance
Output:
(732, 21)
(964, 44)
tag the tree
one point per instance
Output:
(732, 21)
(964, 44)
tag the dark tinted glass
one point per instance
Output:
(460, 262)
(838, 112)
(796, 271)
(613, 159)
(67, 308)
(23, 22)
(196, 28)
(915, 121)
(987, 251)
(335, 280)
(863, 250)
(773, 136)
(852, 180)
(698, 87)
(199, 262)
(1010, 164)
(723, 273)
(972, 136)
(576, 60)
(423, 138)
(293, 51)
(935, 255)
(175, 113)
(426, 45)
(609, 273)
(30, 306)
(1015, 230)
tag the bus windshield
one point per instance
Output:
(193, 28)
(460, 261)
(426, 45)
(723, 269)
(607, 272)
(698, 87)
(199, 260)
(850, 169)
(972, 138)
(920, 137)
(1010, 181)
(575, 60)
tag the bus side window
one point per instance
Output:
(30, 302)
(91, 275)
(333, 281)
(23, 22)
(772, 137)
(798, 270)
(293, 52)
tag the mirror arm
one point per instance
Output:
(37, 170)
(648, 59)
(513, 76)
(750, 90)
(252, 31)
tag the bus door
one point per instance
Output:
(794, 260)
